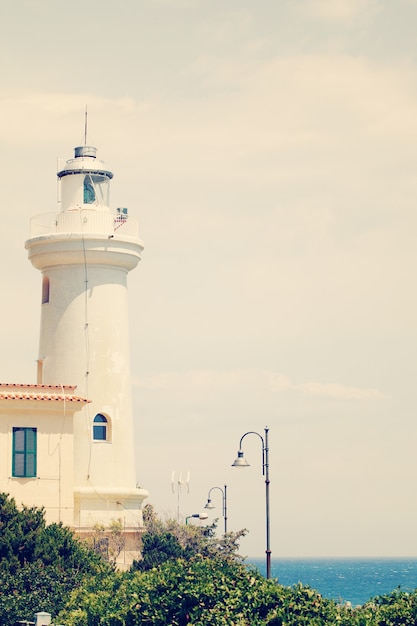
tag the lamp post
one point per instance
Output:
(209, 504)
(199, 515)
(242, 462)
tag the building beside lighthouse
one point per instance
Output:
(67, 441)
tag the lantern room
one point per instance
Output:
(84, 182)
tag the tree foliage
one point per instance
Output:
(39, 564)
(172, 540)
(108, 541)
(200, 591)
(187, 576)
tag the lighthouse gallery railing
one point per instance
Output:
(84, 221)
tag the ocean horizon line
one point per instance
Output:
(325, 557)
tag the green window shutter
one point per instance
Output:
(24, 452)
(30, 444)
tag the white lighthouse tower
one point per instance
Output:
(85, 252)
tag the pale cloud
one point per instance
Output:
(274, 180)
(342, 392)
(207, 381)
(306, 99)
(178, 4)
(42, 116)
(231, 25)
(339, 10)
(281, 109)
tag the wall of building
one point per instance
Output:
(52, 487)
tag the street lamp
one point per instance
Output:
(199, 515)
(242, 462)
(209, 504)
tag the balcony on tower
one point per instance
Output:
(84, 221)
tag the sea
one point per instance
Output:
(353, 580)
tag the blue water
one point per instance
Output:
(345, 580)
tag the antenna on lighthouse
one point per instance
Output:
(85, 126)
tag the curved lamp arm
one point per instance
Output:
(242, 462)
(199, 515)
(209, 505)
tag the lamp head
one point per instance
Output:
(209, 505)
(200, 516)
(240, 461)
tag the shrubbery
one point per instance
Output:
(39, 565)
(187, 577)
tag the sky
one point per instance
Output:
(269, 150)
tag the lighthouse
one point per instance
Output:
(84, 253)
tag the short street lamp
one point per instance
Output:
(242, 462)
(209, 504)
(199, 515)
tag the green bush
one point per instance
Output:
(187, 577)
(39, 564)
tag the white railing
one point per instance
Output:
(84, 222)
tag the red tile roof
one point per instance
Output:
(47, 393)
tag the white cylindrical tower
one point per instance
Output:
(85, 252)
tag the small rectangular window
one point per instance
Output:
(24, 452)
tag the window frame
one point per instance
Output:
(28, 452)
(100, 424)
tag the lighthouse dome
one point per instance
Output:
(85, 159)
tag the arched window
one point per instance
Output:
(100, 428)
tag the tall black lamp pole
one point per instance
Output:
(242, 462)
